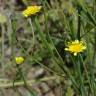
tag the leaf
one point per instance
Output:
(31, 94)
(69, 92)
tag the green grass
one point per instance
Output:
(43, 37)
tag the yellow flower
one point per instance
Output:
(71, 10)
(75, 47)
(30, 10)
(19, 60)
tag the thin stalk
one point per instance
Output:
(31, 25)
(46, 44)
(47, 68)
(47, 31)
(3, 51)
(94, 56)
(88, 14)
(89, 31)
(15, 89)
(29, 82)
(74, 64)
(82, 88)
(64, 69)
(45, 3)
(13, 38)
(92, 65)
(79, 23)
(49, 37)
(91, 18)
(25, 82)
(89, 59)
(86, 72)
(3, 54)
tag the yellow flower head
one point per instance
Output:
(75, 47)
(19, 60)
(30, 10)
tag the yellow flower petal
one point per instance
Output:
(30, 10)
(75, 47)
(66, 49)
(75, 54)
(19, 60)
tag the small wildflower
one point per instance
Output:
(71, 10)
(19, 60)
(30, 10)
(76, 47)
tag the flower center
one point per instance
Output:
(75, 48)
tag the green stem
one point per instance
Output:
(45, 42)
(3, 53)
(79, 22)
(31, 25)
(88, 14)
(25, 83)
(80, 77)
(29, 82)
(86, 72)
